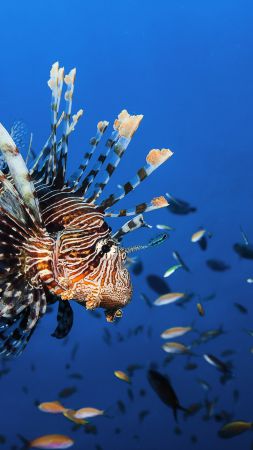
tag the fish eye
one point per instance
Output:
(105, 248)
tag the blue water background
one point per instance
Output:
(188, 67)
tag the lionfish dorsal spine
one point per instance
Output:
(19, 172)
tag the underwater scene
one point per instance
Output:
(126, 224)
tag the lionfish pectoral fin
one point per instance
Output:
(20, 323)
(64, 320)
(19, 173)
(21, 305)
(112, 314)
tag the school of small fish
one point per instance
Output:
(189, 351)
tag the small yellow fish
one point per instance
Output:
(52, 441)
(52, 407)
(171, 270)
(122, 376)
(174, 332)
(232, 429)
(198, 235)
(171, 297)
(200, 309)
(164, 227)
(175, 348)
(85, 413)
(70, 414)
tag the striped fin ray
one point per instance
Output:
(153, 160)
(76, 176)
(64, 320)
(156, 203)
(129, 226)
(13, 207)
(19, 173)
(44, 153)
(39, 174)
(69, 80)
(55, 84)
(125, 126)
(16, 331)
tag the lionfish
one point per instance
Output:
(55, 243)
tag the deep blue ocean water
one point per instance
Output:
(188, 67)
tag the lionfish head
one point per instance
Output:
(94, 272)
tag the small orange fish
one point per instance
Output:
(166, 299)
(84, 413)
(200, 309)
(52, 441)
(122, 376)
(198, 235)
(52, 407)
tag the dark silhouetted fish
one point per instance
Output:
(217, 265)
(142, 414)
(67, 392)
(157, 284)
(165, 391)
(243, 250)
(177, 206)
(203, 243)
(241, 308)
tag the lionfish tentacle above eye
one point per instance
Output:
(153, 160)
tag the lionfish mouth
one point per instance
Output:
(52, 226)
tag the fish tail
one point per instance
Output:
(25, 442)
(175, 414)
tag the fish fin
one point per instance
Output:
(175, 413)
(125, 126)
(24, 441)
(129, 226)
(153, 160)
(21, 305)
(17, 327)
(64, 319)
(244, 236)
(75, 178)
(19, 173)
(155, 203)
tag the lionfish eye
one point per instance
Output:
(105, 248)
